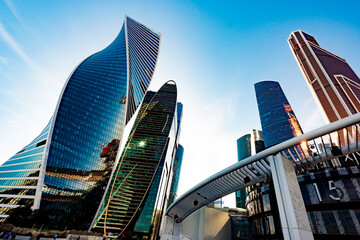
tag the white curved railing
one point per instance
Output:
(325, 143)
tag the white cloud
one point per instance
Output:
(4, 61)
(16, 48)
(9, 39)
(13, 9)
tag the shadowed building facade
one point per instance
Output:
(66, 168)
(139, 190)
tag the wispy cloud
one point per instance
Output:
(310, 115)
(4, 61)
(13, 9)
(5, 35)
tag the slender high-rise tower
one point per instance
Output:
(178, 158)
(278, 120)
(247, 146)
(278, 123)
(138, 192)
(67, 167)
(328, 188)
(332, 82)
(176, 176)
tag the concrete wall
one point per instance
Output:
(207, 224)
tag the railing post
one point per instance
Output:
(294, 220)
(171, 229)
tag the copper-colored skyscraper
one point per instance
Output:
(332, 82)
(336, 89)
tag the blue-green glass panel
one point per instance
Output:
(31, 152)
(24, 159)
(21, 166)
(20, 174)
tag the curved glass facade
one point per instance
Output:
(19, 176)
(89, 117)
(143, 49)
(81, 141)
(139, 189)
(262, 211)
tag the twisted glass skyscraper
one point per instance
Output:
(68, 165)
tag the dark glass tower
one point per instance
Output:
(247, 146)
(138, 192)
(176, 176)
(244, 151)
(66, 169)
(178, 158)
(244, 147)
(279, 123)
(278, 120)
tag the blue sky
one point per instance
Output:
(214, 50)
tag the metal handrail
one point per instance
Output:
(329, 128)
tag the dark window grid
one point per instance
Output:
(140, 61)
(145, 34)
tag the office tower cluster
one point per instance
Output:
(78, 171)
(84, 172)
(330, 190)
